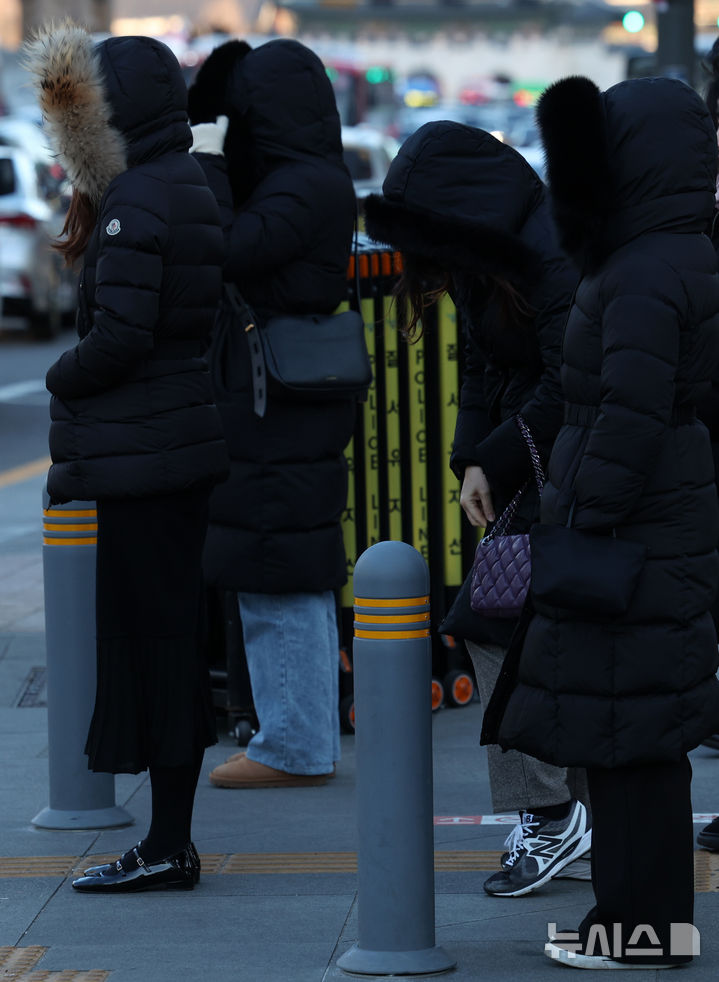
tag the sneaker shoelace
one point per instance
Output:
(515, 840)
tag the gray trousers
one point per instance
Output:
(517, 781)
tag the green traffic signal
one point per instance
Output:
(633, 21)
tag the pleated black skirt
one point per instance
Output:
(153, 704)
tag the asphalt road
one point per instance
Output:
(23, 433)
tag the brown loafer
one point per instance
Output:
(245, 773)
(243, 753)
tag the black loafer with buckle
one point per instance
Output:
(193, 861)
(131, 874)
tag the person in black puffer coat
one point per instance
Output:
(275, 535)
(133, 422)
(708, 405)
(471, 217)
(632, 172)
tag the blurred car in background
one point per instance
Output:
(33, 283)
(408, 120)
(478, 90)
(419, 88)
(25, 132)
(367, 153)
(505, 120)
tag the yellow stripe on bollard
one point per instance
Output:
(391, 618)
(89, 527)
(402, 612)
(399, 602)
(60, 523)
(61, 513)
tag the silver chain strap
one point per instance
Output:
(505, 519)
(533, 452)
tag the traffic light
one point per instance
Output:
(633, 21)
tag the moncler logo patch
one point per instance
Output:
(114, 227)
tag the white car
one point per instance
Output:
(367, 153)
(33, 284)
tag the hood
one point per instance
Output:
(282, 92)
(109, 106)
(207, 96)
(638, 158)
(455, 195)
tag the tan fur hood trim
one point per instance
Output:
(69, 86)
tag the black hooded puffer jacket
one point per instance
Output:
(132, 408)
(458, 197)
(275, 525)
(632, 172)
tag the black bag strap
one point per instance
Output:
(250, 325)
(258, 369)
(505, 519)
(355, 250)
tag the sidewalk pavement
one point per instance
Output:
(278, 897)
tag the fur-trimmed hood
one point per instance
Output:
(639, 157)
(107, 106)
(457, 196)
(279, 96)
(210, 93)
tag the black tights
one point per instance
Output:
(173, 797)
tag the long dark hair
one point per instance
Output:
(79, 224)
(419, 286)
(422, 284)
(711, 64)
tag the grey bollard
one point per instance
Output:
(395, 817)
(79, 799)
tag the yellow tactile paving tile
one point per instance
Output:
(18, 965)
(706, 865)
(35, 865)
(234, 863)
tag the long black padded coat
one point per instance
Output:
(459, 198)
(275, 525)
(632, 172)
(132, 408)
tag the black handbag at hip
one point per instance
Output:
(305, 357)
(502, 562)
(583, 571)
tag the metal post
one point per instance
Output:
(675, 39)
(79, 799)
(392, 692)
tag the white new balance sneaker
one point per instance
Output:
(575, 959)
(538, 849)
(578, 869)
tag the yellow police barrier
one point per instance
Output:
(400, 483)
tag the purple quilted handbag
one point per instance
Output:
(502, 562)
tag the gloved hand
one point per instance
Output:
(209, 137)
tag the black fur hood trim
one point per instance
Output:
(572, 121)
(472, 246)
(207, 97)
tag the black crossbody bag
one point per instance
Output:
(304, 357)
(583, 571)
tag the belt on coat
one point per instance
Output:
(576, 414)
(171, 350)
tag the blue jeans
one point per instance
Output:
(292, 648)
